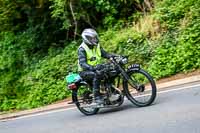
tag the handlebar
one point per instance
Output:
(119, 59)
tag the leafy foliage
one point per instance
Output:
(179, 50)
(45, 83)
(128, 42)
(39, 41)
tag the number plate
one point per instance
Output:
(134, 66)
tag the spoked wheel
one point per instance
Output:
(83, 98)
(144, 91)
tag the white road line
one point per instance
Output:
(42, 113)
(177, 89)
(61, 110)
(170, 90)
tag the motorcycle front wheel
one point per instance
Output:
(143, 93)
(82, 97)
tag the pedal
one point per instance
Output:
(71, 102)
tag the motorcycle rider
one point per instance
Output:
(90, 54)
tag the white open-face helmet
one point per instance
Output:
(90, 37)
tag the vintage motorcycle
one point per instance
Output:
(135, 83)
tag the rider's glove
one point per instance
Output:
(99, 67)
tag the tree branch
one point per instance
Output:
(74, 18)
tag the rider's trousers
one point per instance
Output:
(92, 76)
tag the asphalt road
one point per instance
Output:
(174, 111)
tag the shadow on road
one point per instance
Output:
(116, 109)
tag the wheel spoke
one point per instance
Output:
(84, 99)
(145, 91)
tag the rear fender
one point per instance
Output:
(74, 92)
(82, 83)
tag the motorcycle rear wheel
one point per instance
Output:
(82, 96)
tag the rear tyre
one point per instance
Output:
(145, 92)
(83, 98)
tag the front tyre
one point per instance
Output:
(82, 97)
(144, 92)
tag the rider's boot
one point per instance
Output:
(98, 99)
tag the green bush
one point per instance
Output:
(43, 82)
(170, 12)
(46, 82)
(179, 50)
(128, 42)
(163, 63)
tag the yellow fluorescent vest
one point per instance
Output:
(93, 55)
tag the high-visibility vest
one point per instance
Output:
(93, 55)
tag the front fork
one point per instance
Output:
(126, 76)
(132, 81)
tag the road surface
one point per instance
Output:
(176, 110)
